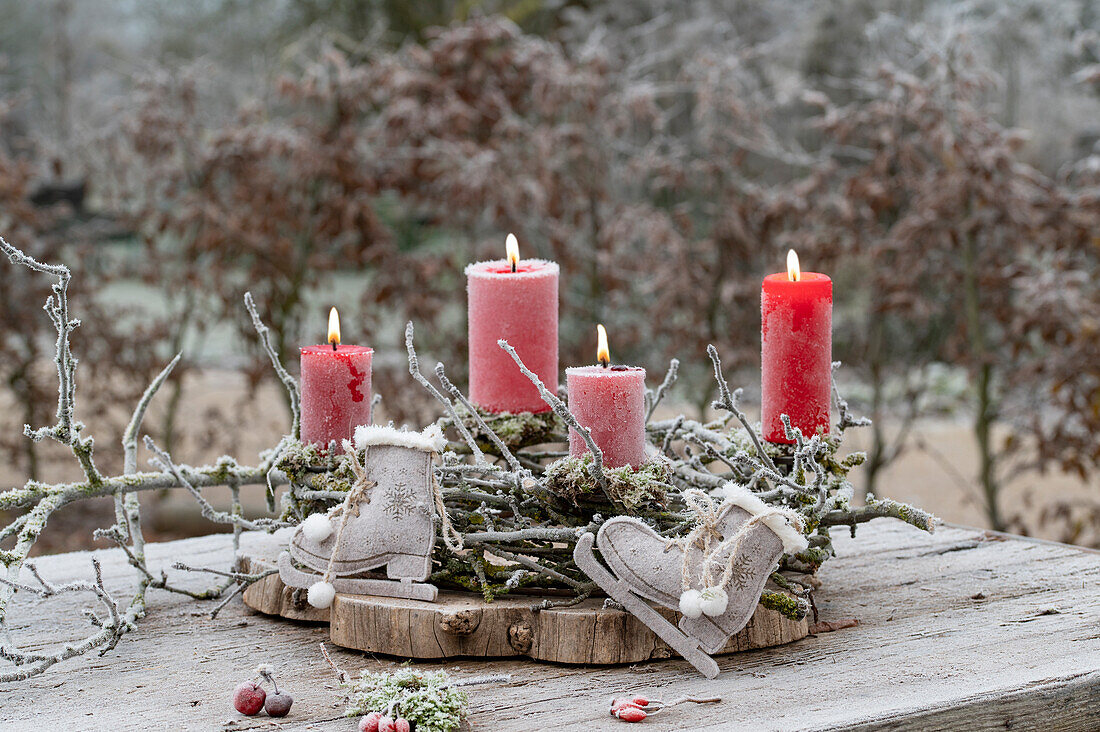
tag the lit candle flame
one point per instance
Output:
(334, 328)
(511, 246)
(603, 354)
(794, 272)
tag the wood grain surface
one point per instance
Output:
(461, 625)
(965, 629)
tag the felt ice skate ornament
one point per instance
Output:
(386, 520)
(713, 576)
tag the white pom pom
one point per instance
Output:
(321, 595)
(691, 604)
(317, 527)
(713, 601)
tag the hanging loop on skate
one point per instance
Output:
(360, 491)
(709, 539)
(703, 534)
(451, 537)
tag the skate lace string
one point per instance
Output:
(451, 538)
(359, 492)
(702, 534)
(734, 545)
(706, 530)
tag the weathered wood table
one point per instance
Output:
(961, 630)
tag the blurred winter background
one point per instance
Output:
(939, 159)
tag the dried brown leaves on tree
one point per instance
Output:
(970, 256)
(52, 229)
(666, 185)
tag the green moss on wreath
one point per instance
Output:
(516, 431)
(632, 488)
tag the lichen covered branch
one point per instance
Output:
(38, 501)
(164, 461)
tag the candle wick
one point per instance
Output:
(333, 342)
(513, 266)
(605, 362)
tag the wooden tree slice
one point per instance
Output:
(461, 624)
(271, 597)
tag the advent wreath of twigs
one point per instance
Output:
(517, 501)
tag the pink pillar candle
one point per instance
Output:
(336, 392)
(610, 402)
(521, 307)
(796, 310)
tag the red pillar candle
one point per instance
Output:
(796, 336)
(517, 301)
(610, 402)
(336, 393)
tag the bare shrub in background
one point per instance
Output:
(49, 218)
(665, 160)
(970, 256)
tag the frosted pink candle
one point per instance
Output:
(520, 306)
(336, 390)
(610, 402)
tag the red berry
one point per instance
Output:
(619, 702)
(278, 704)
(401, 725)
(369, 723)
(640, 701)
(630, 714)
(248, 698)
(385, 724)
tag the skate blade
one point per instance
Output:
(683, 644)
(406, 590)
(713, 635)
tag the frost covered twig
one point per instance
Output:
(150, 580)
(654, 398)
(242, 580)
(562, 411)
(128, 509)
(164, 461)
(845, 419)
(441, 374)
(117, 623)
(341, 675)
(289, 382)
(728, 400)
(414, 369)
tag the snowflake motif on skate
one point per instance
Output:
(742, 572)
(400, 501)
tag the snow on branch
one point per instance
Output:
(39, 501)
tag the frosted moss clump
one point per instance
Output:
(299, 459)
(425, 699)
(740, 441)
(571, 478)
(516, 431)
